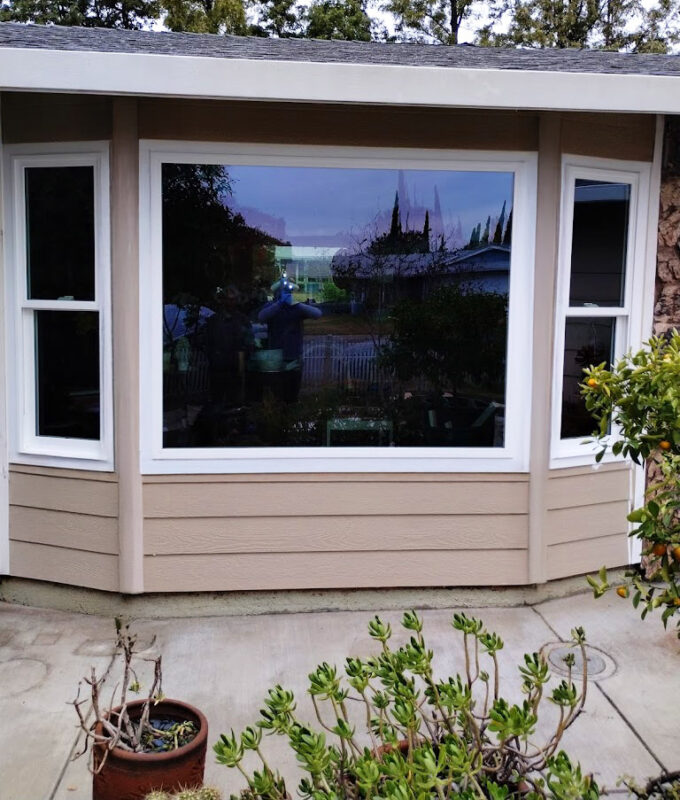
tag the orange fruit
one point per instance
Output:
(676, 553)
(664, 444)
(659, 549)
(591, 382)
(676, 601)
(622, 591)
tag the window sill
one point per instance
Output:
(349, 460)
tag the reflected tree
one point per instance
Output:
(205, 243)
(458, 336)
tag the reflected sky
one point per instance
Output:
(341, 205)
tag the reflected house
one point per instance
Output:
(307, 265)
(144, 170)
(415, 276)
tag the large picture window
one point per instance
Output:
(60, 282)
(601, 271)
(348, 308)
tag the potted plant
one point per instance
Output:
(392, 730)
(137, 746)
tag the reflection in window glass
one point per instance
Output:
(60, 232)
(588, 341)
(598, 250)
(308, 306)
(67, 374)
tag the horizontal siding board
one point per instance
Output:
(356, 498)
(588, 489)
(627, 136)
(577, 558)
(60, 472)
(568, 472)
(270, 571)
(327, 534)
(340, 477)
(64, 529)
(586, 522)
(63, 565)
(336, 124)
(39, 117)
(99, 498)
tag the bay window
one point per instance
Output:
(600, 284)
(58, 211)
(336, 309)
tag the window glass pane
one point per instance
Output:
(60, 233)
(308, 306)
(598, 249)
(67, 374)
(588, 341)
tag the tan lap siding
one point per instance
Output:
(586, 521)
(63, 526)
(315, 532)
(36, 117)
(329, 124)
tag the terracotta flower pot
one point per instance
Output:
(131, 776)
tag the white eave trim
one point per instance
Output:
(32, 69)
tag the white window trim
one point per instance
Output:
(513, 457)
(26, 447)
(629, 332)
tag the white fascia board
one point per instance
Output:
(30, 69)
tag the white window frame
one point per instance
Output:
(512, 457)
(26, 446)
(629, 333)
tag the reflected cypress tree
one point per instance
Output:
(485, 235)
(498, 233)
(507, 238)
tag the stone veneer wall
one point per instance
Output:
(667, 295)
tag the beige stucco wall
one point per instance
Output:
(217, 532)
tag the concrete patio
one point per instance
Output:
(224, 665)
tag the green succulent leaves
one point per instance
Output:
(390, 729)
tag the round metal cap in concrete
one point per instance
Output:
(600, 664)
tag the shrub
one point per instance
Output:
(639, 397)
(429, 737)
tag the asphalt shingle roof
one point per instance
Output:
(314, 50)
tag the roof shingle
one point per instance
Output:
(15, 35)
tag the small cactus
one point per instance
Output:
(209, 793)
(199, 793)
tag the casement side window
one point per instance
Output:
(59, 278)
(600, 285)
(335, 309)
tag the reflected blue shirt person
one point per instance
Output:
(285, 319)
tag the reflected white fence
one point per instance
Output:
(340, 361)
(330, 361)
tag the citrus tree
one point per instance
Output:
(636, 404)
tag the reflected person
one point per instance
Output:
(285, 319)
(228, 341)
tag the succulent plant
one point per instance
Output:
(390, 729)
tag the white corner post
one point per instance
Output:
(4, 467)
(547, 242)
(125, 301)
